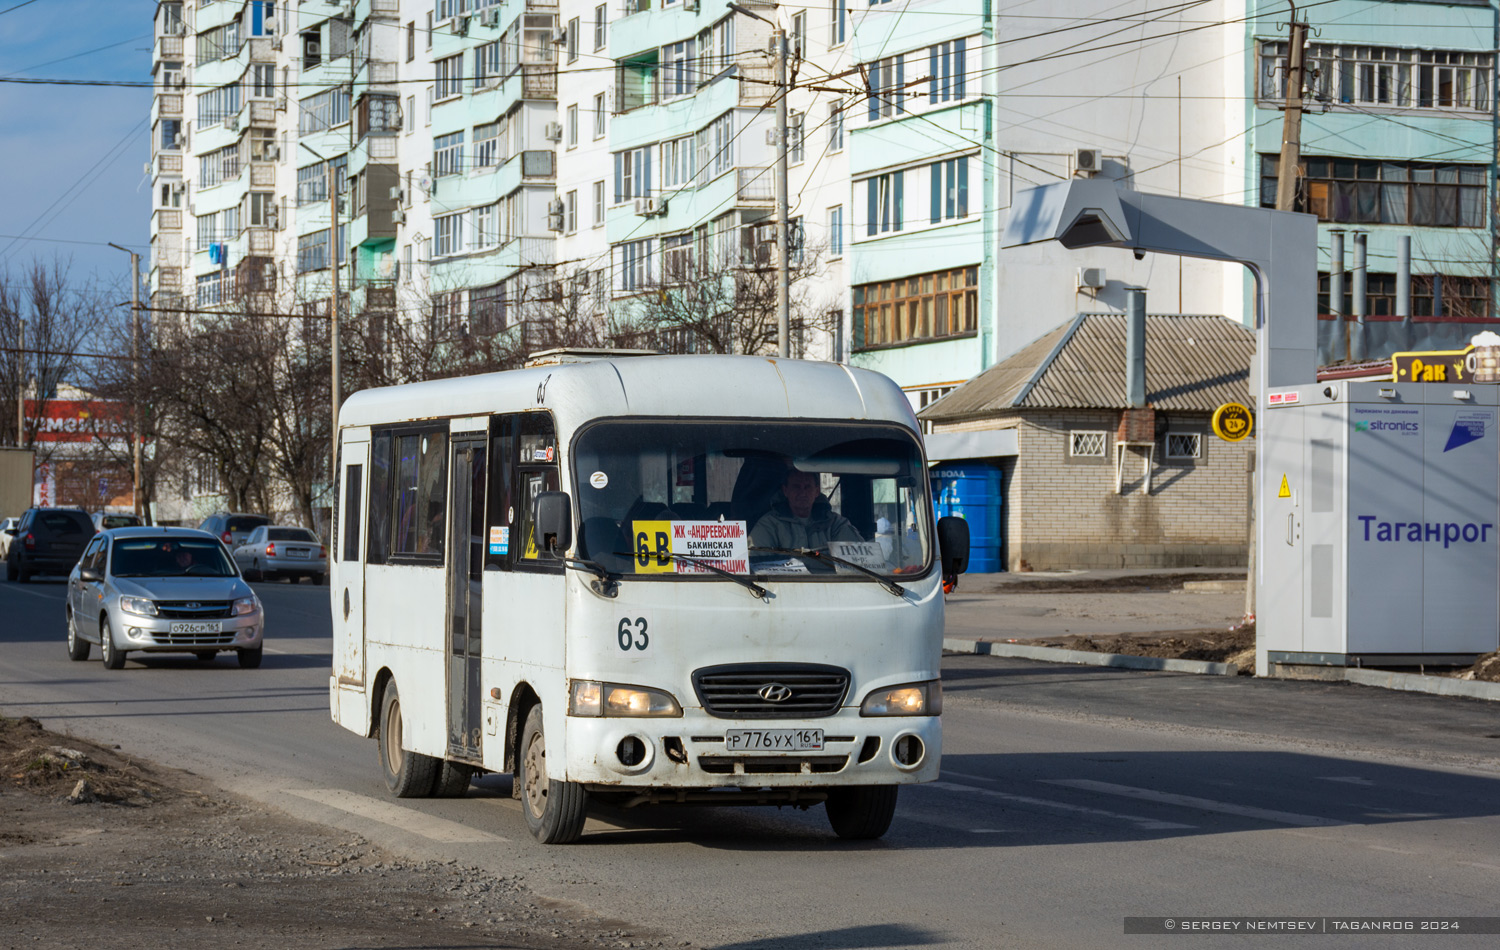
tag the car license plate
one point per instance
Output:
(298, 552)
(773, 740)
(195, 628)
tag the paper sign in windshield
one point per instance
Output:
(864, 553)
(722, 544)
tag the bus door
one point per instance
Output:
(347, 550)
(465, 592)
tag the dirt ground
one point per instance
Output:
(101, 850)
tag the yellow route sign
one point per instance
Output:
(1232, 422)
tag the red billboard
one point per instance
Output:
(81, 420)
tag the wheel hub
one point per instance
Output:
(392, 738)
(536, 776)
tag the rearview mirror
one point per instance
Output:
(552, 522)
(89, 575)
(953, 544)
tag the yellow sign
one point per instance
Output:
(1286, 490)
(651, 543)
(1232, 422)
(1435, 366)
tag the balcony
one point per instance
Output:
(262, 49)
(168, 219)
(169, 106)
(169, 47)
(169, 279)
(538, 81)
(262, 113)
(755, 186)
(385, 8)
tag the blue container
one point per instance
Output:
(972, 491)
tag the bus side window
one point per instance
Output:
(421, 494)
(351, 512)
(498, 545)
(379, 544)
(536, 472)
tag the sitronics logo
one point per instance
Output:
(1382, 425)
(1449, 533)
(1389, 421)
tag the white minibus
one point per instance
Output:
(642, 580)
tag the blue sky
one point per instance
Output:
(72, 156)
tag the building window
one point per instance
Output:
(572, 126)
(601, 26)
(411, 40)
(1183, 445)
(211, 289)
(838, 20)
(884, 203)
(678, 69)
(1356, 191)
(914, 309)
(448, 155)
(599, 113)
(836, 231)
(536, 38)
(1463, 298)
(450, 77)
(1384, 76)
(635, 265)
(887, 87)
(632, 174)
(598, 203)
(715, 148)
(216, 105)
(488, 65)
(715, 50)
(794, 138)
(429, 29)
(262, 81)
(1087, 444)
(312, 181)
(677, 162)
(447, 235)
(677, 258)
(487, 145)
(950, 189)
(312, 251)
(323, 111)
(835, 127)
(570, 212)
(572, 40)
(946, 64)
(262, 209)
(797, 41)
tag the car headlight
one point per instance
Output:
(245, 605)
(612, 700)
(138, 605)
(911, 699)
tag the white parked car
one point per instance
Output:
(275, 551)
(6, 526)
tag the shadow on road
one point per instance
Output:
(870, 935)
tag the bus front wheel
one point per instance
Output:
(863, 812)
(407, 774)
(554, 810)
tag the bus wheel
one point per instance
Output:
(861, 813)
(407, 774)
(554, 810)
(452, 780)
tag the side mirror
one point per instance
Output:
(953, 544)
(89, 576)
(552, 522)
(13, 531)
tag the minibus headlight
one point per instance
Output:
(138, 605)
(614, 700)
(912, 699)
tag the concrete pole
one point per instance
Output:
(1135, 348)
(1403, 288)
(1291, 121)
(1340, 343)
(1357, 341)
(136, 426)
(783, 246)
(333, 324)
(20, 384)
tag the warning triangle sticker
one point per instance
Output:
(1286, 490)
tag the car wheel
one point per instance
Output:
(23, 575)
(255, 573)
(10, 569)
(320, 579)
(206, 656)
(554, 810)
(78, 647)
(407, 774)
(452, 780)
(113, 656)
(861, 813)
(249, 659)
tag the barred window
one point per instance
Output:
(1184, 445)
(1087, 444)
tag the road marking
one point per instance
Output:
(1348, 779)
(1203, 804)
(406, 819)
(1149, 824)
(1376, 847)
(37, 593)
(1477, 864)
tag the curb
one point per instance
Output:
(1415, 683)
(1086, 658)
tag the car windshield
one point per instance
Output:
(751, 498)
(170, 557)
(118, 521)
(245, 523)
(289, 534)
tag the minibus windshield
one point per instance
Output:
(782, 499)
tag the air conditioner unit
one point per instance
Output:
(179, 81)
(276, 42)
(1088, 161)
(398, 216)
(555, 215)
(552, 132)
(268, 26)
(273, 153)
(395, 194)
(1091, 278)
(560, 36)
(233, 123)
(281, 104)
(177, 29)
(646, 207)
(346, 12)
(179, 141)
(146, 169)
(490, 17)
(461, 25)
(273, 219)
(690, 6)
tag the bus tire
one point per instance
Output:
(407, 774)
(863, 812)
(554, 810)
(452, 780)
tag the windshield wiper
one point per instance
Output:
(744, 582)
(831, 559)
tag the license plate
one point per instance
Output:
(773, 740)
(195, 628)
(298, 552)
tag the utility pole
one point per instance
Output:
(1291, 120)
(783, 243)
(20, 384)
(333, 322)
(136, 428)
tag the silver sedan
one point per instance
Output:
(161, 590)
(274, 551)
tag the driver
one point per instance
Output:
(801, 517)
(184, 558)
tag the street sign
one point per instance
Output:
(1232, 422)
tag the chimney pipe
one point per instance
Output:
(1339, 349)
(1357, 340)
(1135, 348)
(1403, 288)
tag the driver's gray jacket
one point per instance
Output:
(779, 528)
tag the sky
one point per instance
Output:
(72, 156)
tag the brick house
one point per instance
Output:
(1089, 482)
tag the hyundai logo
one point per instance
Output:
(775, 693)
(192, 605)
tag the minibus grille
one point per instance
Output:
(750, 690)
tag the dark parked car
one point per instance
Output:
(47, 541)
(231, 527)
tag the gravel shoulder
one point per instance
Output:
(101, 849)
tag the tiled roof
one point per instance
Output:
(1193, 363)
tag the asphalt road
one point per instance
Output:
(1070, 798)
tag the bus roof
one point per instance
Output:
(709, 386)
